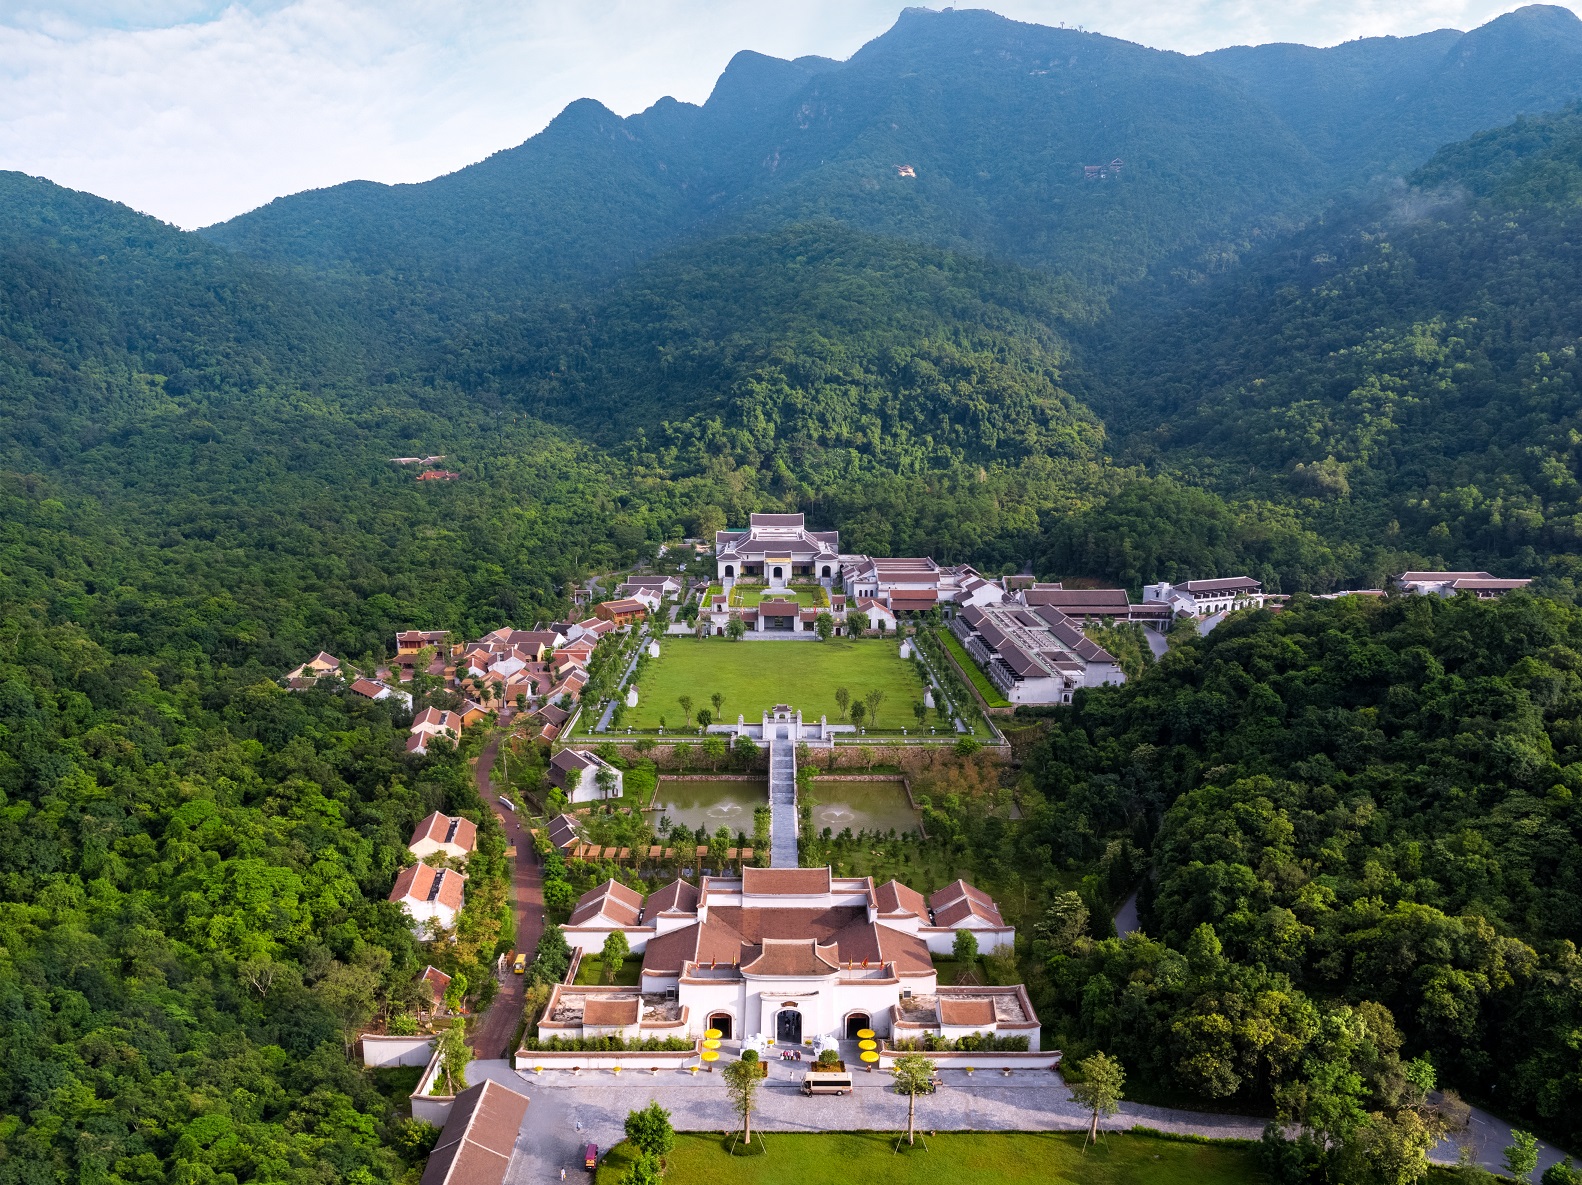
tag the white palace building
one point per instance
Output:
(793, 955)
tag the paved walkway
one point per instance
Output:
(619, 695)
(568, 1111)
(1126, 916)
(493, 1031)
(783, 852)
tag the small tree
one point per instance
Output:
(914, 1075)
(1099, 1091)
(873, 699)
(645, 1170)
(920, 710)
(842, 698)
(686, 708)
(741, 1085)
(719, 848)
(735, 628)
(824, 627)
(858, 711)
(454, 1055)
(718, 701)
(1521, 1158)
(650, 1132)
(965, 951)
(705, 718)
(857, 624)
(614, 955)
(714, 749)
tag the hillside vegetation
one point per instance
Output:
(1298, 334)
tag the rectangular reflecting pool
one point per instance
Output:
(710, 804)
(862, 806)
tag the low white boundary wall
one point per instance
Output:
(431, 1108)
(576, 1059)
(381, 1050)
(954, 1060)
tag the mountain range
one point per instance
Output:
(1032, 299)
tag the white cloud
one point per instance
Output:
(194, 110)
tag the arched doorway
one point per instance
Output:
(722, 1022)
(855, 1023)
(788, 1027)
(778, 573)
(730, 569)
(826, 570)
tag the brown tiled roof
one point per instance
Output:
(894, 898)
(562, 830)
(368, 687)
(958, 901)
(975, 1011)
(447, 829)
(602, 1010)
(676, 897)
(611, 900)
(765, 882)
(436, 979)
(790, 956)
(479, 1137)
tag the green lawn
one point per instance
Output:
(952, 1158)
(990, 693)
(808, 596)
(590, 971)
(753, 676)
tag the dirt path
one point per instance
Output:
(494, 1029)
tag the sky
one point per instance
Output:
(195, 111)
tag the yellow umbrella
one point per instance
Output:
(867, 1045)
(712, 1055)
(865, 1034)
(713, 1034)
(869, 1055)
(711, 1043)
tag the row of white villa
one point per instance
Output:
(793, 955)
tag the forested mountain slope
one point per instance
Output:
(1380, 106)
(996, 118)
(1345, 805)
(1407, 371)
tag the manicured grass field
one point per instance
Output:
(990, 693)
(753, 676)
(745, 597)
(590, 971)
(952, 1158)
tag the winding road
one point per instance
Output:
(492, 1031)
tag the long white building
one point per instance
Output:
(1034, 654)
(789, 954)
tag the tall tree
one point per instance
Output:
(1099, 1091)
(741, 1086)
(913, 1075)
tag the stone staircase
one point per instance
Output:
(782, 804)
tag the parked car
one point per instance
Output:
(590, 1157)
(520, 965)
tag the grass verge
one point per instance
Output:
(951, 1158)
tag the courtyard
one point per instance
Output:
(754, 676)
(747, 596)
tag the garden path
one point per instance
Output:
(567, 1112)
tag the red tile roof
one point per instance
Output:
(623, 1010)
(973, 1011)
(479, 1139)
(776, 882)
(611, 900)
